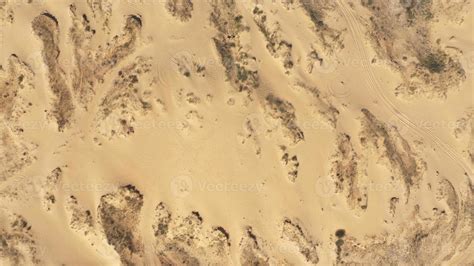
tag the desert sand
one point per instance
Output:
(246, 132)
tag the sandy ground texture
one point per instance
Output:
(236, 132)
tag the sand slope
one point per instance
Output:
(221, 132)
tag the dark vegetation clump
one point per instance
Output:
(417, 10)
(340, 233)
(434, 62)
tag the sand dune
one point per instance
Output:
(226, 132)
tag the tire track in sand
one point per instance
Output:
(374, 84)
